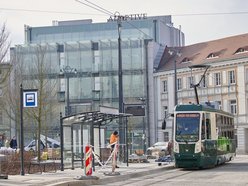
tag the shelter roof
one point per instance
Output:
(94, 117)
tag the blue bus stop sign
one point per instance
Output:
(29, 98)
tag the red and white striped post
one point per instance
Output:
(88, 160)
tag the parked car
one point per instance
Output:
(51, 143)
(158, 149)
(32, 145)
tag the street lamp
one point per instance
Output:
(143, 100)
(120, 83)
(68, 72)
(175, 53)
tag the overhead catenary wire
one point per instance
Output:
(95, 7)
(46, 11)
(111, 13)
(103, 10)
(79, 13)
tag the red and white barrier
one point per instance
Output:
(88, 160)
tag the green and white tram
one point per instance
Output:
(203, 136)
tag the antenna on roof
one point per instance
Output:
(203, 76)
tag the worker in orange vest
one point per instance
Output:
(113, 140)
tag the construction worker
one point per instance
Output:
(113, 141)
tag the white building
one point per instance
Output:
(226, 82)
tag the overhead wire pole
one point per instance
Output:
(120, 78)
(118, 18)
(120, 75)
(21, 129)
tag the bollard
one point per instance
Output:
(88, 160)
(88, 165)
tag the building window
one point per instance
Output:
(190, 82)
(186, 60)
(231, 77)
(97, 83)
(212, 55)
(166, 136)
(60, 48)
(95, 46)
(165, 111)
(219, 104)
(241, 50)
(233, 106)
(217, 78)
(164, 84)
(96, 61)
(179, 84)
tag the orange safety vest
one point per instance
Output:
(113, 138)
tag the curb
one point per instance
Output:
(112, 179)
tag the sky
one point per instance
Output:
(200, 20)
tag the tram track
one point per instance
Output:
(153, 179)
(166, 176)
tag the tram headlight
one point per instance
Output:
(198, 147)
(176, 147)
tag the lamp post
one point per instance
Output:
(68, 72)
(120, 83)
(175, 53)
(61, 143)
(143, 100)
(175, 81)
(178, 54)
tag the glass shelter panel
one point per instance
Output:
(76, 137)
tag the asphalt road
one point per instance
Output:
(234, 173)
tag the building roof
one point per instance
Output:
(229, 48)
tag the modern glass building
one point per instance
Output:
(90, 52)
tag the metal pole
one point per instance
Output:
(21, 128)
(82, 145)
(175, 69)
(147, 126)
(126, 140)
(72, 153)
(144, 135)
(67, 98)
(61, 143)
(92, 143)
(121, 128)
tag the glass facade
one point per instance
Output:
(92, 49)
(90, 31)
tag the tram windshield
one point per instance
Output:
(187, 127)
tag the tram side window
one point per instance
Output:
(208, 126)
(203, 128)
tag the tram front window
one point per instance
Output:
(187, 127)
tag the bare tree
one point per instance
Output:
(4, 66)
(4, 48)
(4, 43)
(32, 68)
(41, 79)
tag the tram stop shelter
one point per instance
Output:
(83, 129)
